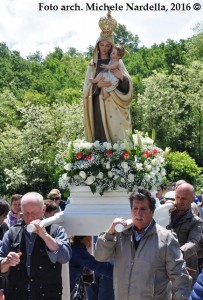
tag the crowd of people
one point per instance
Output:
(145, 261)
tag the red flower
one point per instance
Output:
(146, 154)
(88, 157)
(155, 152)
(126, 155)
(109, 153)
(79, 155)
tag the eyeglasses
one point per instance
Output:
(55, 198)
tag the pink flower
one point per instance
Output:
(79, 155)
(109, 153)
(126, 155)
(88, 157)
(155, 151)
(146, 154)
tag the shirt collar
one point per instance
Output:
(138, 235)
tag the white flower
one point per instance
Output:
(116, 146)
(139, 166)
(64, 176)
(100, 175)
(82, 174)
(110, 174)
(67, 166)
(122, 180)
(148, 168)
(123, 146)
(147, 177)
(147, 141)
(163, 172)
(131, 177)
(63, 183)
(153, 175)
(154, 162)
(135, 139)
(96, 144)
(135, 158)
(160, 159)
(125, 166)
(90, 180)
(108, 166)
(88, 145)
(107, 146)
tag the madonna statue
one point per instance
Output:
(106, 119)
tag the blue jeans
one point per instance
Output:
(101, 289)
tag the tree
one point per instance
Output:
(172, 105)
(174, 53)
(194, 45)
(30, 164)
(37, 57)
(126, 38)
(180, 165)
(4, 51)
(8, 111)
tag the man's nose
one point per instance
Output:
(139, 211)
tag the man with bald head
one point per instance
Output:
(187, 226)
(33, 260)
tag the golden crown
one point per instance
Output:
(107, 25)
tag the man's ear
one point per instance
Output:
(44, 208)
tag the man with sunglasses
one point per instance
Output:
(55, 195)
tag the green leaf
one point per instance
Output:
(93, 189)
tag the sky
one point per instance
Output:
(28, 26)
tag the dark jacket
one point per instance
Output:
(197, 292)
(45, 280)
(189, 232)
(81, 259)
(3, 229)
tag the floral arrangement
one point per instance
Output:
(135, 161)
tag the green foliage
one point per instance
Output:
(180, 165)
(195, 44)
(199, 183)
(126, 38)
(174, 54)
(27, 155)
(8, 112)
(172, 105)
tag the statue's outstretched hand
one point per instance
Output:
(117, 73)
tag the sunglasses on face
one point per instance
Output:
(55, 198)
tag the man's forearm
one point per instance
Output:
(50, 243)
(5, 265)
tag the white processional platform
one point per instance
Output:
(91, 214)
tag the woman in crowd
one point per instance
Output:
(15, 210)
